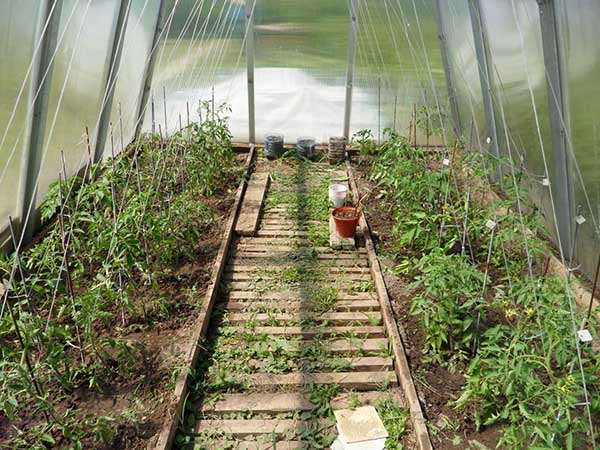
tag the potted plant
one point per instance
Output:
(346, 218)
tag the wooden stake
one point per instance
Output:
(68, 279)
(165, 108)
(121, 128)
(153, 113)
(89, 149)
(34, 380)
(415, 124)
(594, 287)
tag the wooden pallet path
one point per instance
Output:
(300, 329)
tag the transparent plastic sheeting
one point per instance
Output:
(464, 70)
(300, 68)
(582, 66)
(202, 51)
(79, 74)
(137, 46)
(19, 31)
(520, 93)
(398, 65)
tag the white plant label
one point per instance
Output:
(545, 182)
(580, 220)
(490, 224)
(584, 335)
(446, 162)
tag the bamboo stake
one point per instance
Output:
(594, 288)
(13, 318)
(484, 289)
(165, 109)
(68, 279)
(153, 113)
(415, 124)
(19, 265)
(395, 110)
(121, 129)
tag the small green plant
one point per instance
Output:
(448, 303)
(367, 145)
(395, 419)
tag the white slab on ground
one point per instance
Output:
(360, 428)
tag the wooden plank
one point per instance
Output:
(240, 444)
(293, 295)
(247, 277)
(278, 403)
(273, 262)
(240, 428)
(367, 331)
(293, 255)
(290, 222)
(337, 242)
(248, 267)
(402, 365)
(360, 381)
(266, 242)
(336, 318)
(351, 363)
(279, 233)
(247, 222)
(334, 346)
(264, 247)
(176, 402)
(260, 403)
(256, 445)
(340, 305)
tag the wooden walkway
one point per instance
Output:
(299, 328)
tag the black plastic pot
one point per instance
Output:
(273, 146)
(305, 148)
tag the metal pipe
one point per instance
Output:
(111, 79)
(452, 96)
(41, 82)
(250, 6)
(561, 181)
(147, 84)
(352, 39)
(481, 49)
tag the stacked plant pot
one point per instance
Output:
(337, 150)
(273, 145)
(305, 147)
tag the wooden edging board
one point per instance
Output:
(248, 218)
(177, 402)
(401, 366)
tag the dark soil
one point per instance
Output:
(351, 214)
(183, 290)
(436, 386)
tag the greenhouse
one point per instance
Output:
(309, 224)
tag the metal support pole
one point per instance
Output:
(481, 49)
(452, 96)
(352, 38)
(41, 82)
(109, 91)
(250, 6)
(561, 179)
(147, 84)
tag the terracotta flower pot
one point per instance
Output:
(346, 226)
